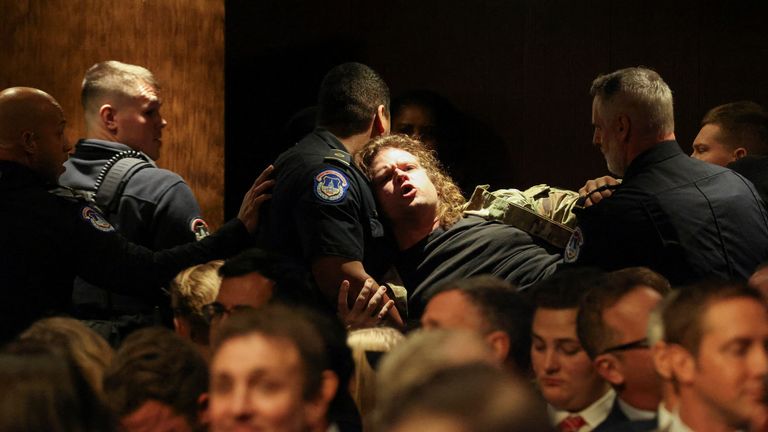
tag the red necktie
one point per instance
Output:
(571, 424)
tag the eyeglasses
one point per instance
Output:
(215, 311)
(638, 344)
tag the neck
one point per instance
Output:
(645, 401)
(646, 143)
(100, 134)
(408, 232)
(698, 416)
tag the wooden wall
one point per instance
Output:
(522, 67)
(50, 43)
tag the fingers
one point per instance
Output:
(341, 305)
(385, 309)
(362, 299)
(375, 300)
(263, 176)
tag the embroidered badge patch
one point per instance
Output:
(331, 185)
(574, 246)
(97, 220)
(200, 228)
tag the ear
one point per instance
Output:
(661, 362)
(316, 410)
(107, 114)
(682, 364)
(381, 122)
(499, 343)
(203, 413)
(609, 368)
(181, 327)
(623, 127)
(28, 142)
(739, 153)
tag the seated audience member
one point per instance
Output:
(71, 238)
(191, 290)
(612, 327)
(578, 398)
(270, 371)
(492, 308)
(43, 391)
(683, 218)
(90, 352)
(717, 335)
(662, 366)
(368, 345)
(418, 357)
(156, 381)
(424, 210)
(469, 398)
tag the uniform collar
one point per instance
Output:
(103, 144)
(330, 139)
(660, 152)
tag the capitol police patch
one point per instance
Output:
(97, 220)
(574, 246)
(331, 186)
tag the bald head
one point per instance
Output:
(32, 131)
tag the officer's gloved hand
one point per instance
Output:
(249, 209)
(595, 190)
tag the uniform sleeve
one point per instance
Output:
(177, 218)
(106, 259)
(327, 214)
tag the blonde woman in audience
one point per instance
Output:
(90, 352)
(368, 346)
(192, 289)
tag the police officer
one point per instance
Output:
(154, 207)
(46, 239)
(323, 215)
(681, 217)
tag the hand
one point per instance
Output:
(365, 311)
(590, 189)
(249, 209)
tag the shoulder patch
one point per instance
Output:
(96, 219)
(573, 247)
(200, 228)
(331, 185)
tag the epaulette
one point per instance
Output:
(338, 157)
(74, 195)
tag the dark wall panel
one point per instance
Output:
(50, 43)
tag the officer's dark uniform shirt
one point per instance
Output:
(46, 240)
(755, 169)
(322, 205)
(472, 246)
(156, 209)
(682, 217)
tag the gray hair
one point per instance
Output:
(640, 90)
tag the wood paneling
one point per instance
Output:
(50, 43)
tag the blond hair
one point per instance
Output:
(192, 289)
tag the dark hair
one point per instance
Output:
(594, 334)
(44, 391)
(502, 308)
(349, 96)
(293, 325)
(564, 289)
(155, 363)
(742, 124)
(291, 281)
(479, 396)
(684, 316)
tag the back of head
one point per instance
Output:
(594, 334)
(90, 352)
(113, 79)
(683, 316)
(564, 289)
(641, 93)
(23, 109)
(349, 97)
(503, 308)
(192, 289)
(470, 397)
(43, 390)
(742, 124)
(154, 364)
(291, 282)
